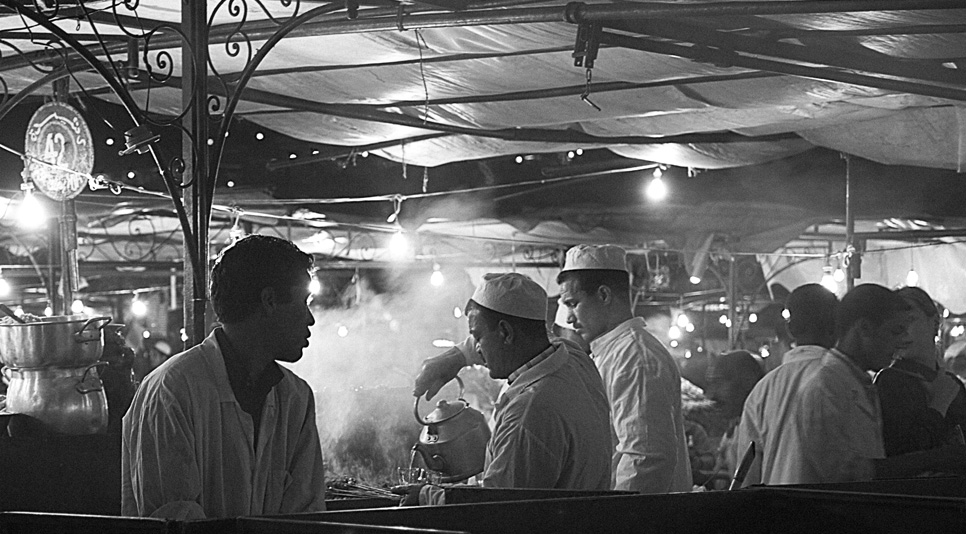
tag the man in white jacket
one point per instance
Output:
(642, 380)
(222, 430)
(551, 422)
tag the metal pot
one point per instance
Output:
(453, 440)
(58, 341)
(68, 400)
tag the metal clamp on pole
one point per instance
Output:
(587, 44)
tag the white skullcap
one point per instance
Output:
(595, 257)
(513, 294)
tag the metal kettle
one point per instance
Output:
(453, 440)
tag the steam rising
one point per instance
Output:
(363, 378)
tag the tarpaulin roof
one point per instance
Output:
(754, 91)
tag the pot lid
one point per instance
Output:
(445, 410)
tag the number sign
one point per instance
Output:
(60, 151)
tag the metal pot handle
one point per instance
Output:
(83, 336)
(416, 404)
(84, 389)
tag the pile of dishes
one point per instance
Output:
(50, 364)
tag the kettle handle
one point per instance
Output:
(416, 404)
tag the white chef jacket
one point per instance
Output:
(839, 425)
(643, 385)
(188, 451)
(764, 417)
(552, 426)
(829, 428)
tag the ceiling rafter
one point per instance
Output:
(924, 70)
(730, 58)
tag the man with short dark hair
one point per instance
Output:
(731, 377)
(222, 430)
(836, 425)
(642, 380)
(810, 315)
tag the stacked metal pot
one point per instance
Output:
(50, 365)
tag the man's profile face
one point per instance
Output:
(489, 344)
(889, 337)
(291, 322)
(585, 311)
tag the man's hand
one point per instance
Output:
(437, 371)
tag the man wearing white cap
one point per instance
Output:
(642, 381)
(552, 422)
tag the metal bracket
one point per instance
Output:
(587, 44)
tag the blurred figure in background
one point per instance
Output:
(811, 323)
(923, 405)
(956, 362)
(731, 377)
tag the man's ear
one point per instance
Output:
(269, 299)
(506, 332)
(605, 294)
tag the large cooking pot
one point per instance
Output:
(453, 440)
(58, 341)
(68, 400)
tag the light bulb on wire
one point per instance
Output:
(912, 278)
(828, 282)
(656, 189)
(138, 307)
(31, 214)
(398, 246)
(436, 279)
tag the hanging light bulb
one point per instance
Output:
(656, 189)
(138, 307)
(912, 278)
(398, 246)
(436, 279)
(31, 214)
(236, 232)
(828, 282)
(828, 277)
(839, 275)
(77, 306)
(674, 332)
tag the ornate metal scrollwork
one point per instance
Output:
(137, 245)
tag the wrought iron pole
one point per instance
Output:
(850, 227)
(197, 200)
